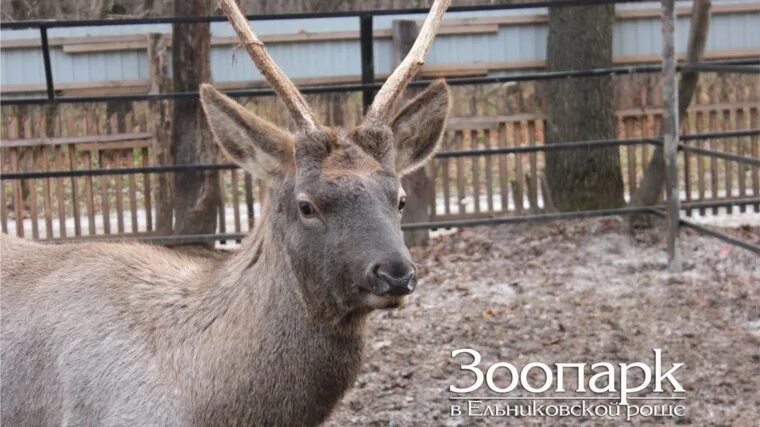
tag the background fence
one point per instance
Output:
(499, 111)
(465, 187)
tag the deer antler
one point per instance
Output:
(289, 93)
(390, 92)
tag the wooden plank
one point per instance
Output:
(3, 201)
(470, 215)
(105, 205)
(60, 41)
(221, 209)
(713, 161)
(488, 122)
(729, 166)
(658, 129)
(70, 126)
(18, 199)
(145, 160)
(487, 135)
(518, 183)
(741, 169)
(687, 158)
(530, 128)
(32, 183)
(134, 137)
(118, 159)
(459, 141)
(122, 145)
(754, 121)
(95, 46)
(474, 144)
(629, 127)
(431, 194)
(87, 88)
(646, 131)
(446, 174)
(132, 184)
(700, 125)
(47, 201)
(60, 161)
(657, 111)
(33, 213)
(3, 208)
(503, 171)
(234, 183)
(89, 195)
(74, 191)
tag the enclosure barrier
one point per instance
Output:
(441, 221)
(671, 143)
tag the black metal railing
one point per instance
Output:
(368, 86)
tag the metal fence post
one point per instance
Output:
(368, 58)
(46, 62)
(670, 132)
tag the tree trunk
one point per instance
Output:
(582, 109)
(418, 184)
(198, 194)
(654, 174)
(160, 115)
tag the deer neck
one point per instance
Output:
(251, 341)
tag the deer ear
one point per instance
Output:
(418, 127)
(256, 145)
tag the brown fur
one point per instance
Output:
(131, 334)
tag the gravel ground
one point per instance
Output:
(573, 291)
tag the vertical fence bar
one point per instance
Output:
(46, 61)
(670, 131)
(368, 58)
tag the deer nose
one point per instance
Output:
(395, 278)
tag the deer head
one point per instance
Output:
(335, 196)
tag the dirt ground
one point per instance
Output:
(580, 291)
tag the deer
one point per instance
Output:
(126, 333)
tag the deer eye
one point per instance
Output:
(306, 209)
(401, 203)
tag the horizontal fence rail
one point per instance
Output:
(656, 210)
(202, 167)
(305, 15)
(712, 233)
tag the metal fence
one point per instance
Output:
(486, 145)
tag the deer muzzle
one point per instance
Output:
(394, 278)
